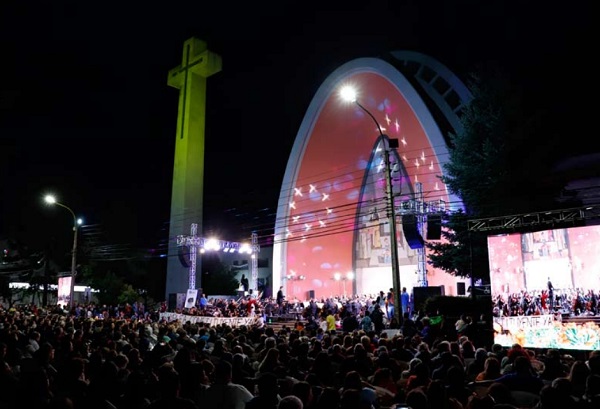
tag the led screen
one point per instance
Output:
(544, 287)
(64, 291)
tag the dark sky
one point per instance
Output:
(86, 113)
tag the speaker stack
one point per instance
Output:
(411, 231)
(434, 226)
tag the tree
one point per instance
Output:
(108, 284)
(218, 279)
(462, 253)
(490, 167)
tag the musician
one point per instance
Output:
(544, 300)
(244, 282)
(551, 295)
(280, 299)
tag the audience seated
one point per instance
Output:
(54, 359)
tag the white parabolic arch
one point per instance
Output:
(327, 118)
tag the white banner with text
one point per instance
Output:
(513, 324)
(232, 322)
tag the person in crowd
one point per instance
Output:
(501, 394)
(169, 387)
(461, 324)
(224, 394)
(366, 324)
(405, 302)
(268, 393)
(438, 398)
(553, 366)
(328, 398)
(366, 393)
(421, 377)
(377, 316)
(523, 377)
(112, 358)
(491, 370)
(417, 399)
(578, 375)
(290, 402)
(409, 327)
(476, 365)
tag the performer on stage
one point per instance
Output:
(280, 298)
(245, 283)
(551, 295)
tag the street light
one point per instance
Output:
(348, 94)
(348, 277)
(76, 222)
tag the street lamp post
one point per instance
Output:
(76, 222)
(349, 94)
(348, 277)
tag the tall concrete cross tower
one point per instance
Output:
(188, 170)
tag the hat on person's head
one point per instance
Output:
(166, 339)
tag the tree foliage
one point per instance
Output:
(462, 253)
(500, 164)
(108, 284)
(218, 279)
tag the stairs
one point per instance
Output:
(278, 325)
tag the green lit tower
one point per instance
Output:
(189, 78)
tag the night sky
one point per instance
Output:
(86, 113)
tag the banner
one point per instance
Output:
(526, 322)
(232, 322)
(190, 300)
(64, 291)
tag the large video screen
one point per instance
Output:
(545, 288)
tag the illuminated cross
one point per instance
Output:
(190, 78)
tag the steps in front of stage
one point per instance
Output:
(580, 319)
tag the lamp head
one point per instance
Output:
(348, 93)
(50, 199)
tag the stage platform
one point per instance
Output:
(580, 319)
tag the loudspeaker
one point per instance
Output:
(172, 302)
(184, 256)
(311, 294)
(421, 294)
(460, 289)
(434, 227)
(411, 231)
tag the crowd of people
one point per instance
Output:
(338, 355)
(572, 301)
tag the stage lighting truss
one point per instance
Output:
(212, 244)
(555, 218)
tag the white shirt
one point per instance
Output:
(230, 396)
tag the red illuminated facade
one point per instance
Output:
(332, 216)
